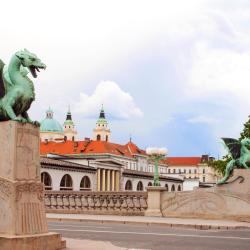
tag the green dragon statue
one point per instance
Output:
(239, 153)
(16, 89)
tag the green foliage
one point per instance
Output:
(220, 165)
(246, 131)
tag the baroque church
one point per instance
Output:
(52, 130)
(98, 164)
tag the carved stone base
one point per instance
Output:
(23, 223)
(227, 201)
(48, 241)
(154, 201)
(22, 207)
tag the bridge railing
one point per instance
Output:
(122, 203)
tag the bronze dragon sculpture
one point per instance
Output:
(238, 150)
(16, 89)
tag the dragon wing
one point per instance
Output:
(233, 147)
(2, 91)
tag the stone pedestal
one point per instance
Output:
(154, 201)
(22, 212)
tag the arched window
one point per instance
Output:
(139, 186)
(150, 184)
(173, 188)
(166, 186)
(85, 183)
(179, 188)
(107, 138)
(128, 185)
(46, 180)
(66, 183)
(98, 137)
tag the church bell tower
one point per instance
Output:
(69, 130)
(101, 132)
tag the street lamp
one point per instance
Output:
(156, 154)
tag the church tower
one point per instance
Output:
(101, 131)
(69, 130)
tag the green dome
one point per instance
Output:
(49, 124)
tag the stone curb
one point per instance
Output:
(176, 225)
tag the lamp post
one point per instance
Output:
(156, 154)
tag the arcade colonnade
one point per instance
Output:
(108, 180)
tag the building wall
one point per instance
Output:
(201, 171)
(145, 182)
(190, 184)
(57, 175)
(51, 136)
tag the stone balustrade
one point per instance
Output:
(120, 203)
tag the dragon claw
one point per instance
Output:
(36, 123)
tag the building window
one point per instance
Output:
(128, 185)
(98, 137)
(46, 180)
(173, 188)
(149, 184)
(184, 171)
(190, 171)
(174, 170)
(107, 138)
(166, 186)
(85, 183)
(169, 171)
(139, 186)
(66, 183)
(195, 171)
(179, 171)
(179, 188)
(203, 170)
(204, 179)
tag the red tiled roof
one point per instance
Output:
(89, 147)
(103, 147)
(185, 161)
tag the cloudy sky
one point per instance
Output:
(169, 73)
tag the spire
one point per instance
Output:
(102, 113)
(69, 116)
(49, 113)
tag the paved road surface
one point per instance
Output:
(154, 237)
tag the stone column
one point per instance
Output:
(98, 179)
(117, 181)
(113, 180)
(103, 180)
(108, 179)
(154, 201)
(22, 211)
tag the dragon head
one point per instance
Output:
(31, 61)
(245, 142)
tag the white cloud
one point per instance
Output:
(118, 103)
(202, 119)
(220, 70)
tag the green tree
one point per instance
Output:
(246, 130)
(220, 165)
